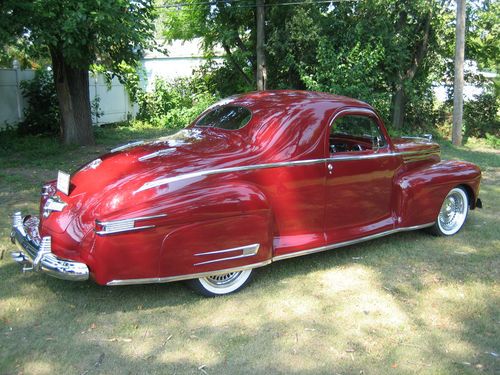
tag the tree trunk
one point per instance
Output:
(72, 88)
(399, 97)
(261, 56)
(398, 107)
(458, 87)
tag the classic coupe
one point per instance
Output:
(256, 178)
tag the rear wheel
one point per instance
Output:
(217, 285)
(452, 214)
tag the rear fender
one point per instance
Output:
(236, 230)
(420, 192)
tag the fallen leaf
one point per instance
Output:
(394, 365)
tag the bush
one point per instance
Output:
(493, 141)
(42, 114)
(174, 104)
(481, 116)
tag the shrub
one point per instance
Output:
(481, 116)
(42, 113)
(174, 104)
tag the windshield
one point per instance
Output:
(226, 117)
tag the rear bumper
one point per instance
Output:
(35, 253)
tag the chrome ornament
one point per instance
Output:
(54, 203)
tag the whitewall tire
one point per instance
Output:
(217, 285)
(453, 213)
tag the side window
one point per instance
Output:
(353, 133)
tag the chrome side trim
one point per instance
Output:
(424, 137)
(351, 242)
(168, 180)
(127, 145)
(132, 218)
(409, 159)
(187, 277)
(264, 263)
(124, 225)
(360, 157)
(157, 153)
(246, 251)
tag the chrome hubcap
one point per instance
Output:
(224, 280)
(452, 213)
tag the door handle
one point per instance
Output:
(330, 168)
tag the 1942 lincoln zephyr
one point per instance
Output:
(254, 179)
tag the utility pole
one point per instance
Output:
(458, 87)
(261, 57)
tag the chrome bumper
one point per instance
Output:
(35, 253)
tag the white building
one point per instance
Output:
(181, 59)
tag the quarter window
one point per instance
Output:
(226, 117)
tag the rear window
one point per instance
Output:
(226, 117)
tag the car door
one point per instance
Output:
(360, 171)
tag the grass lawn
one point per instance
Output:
(404, 304)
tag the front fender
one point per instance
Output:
(420, 192)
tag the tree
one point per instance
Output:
(261, 74)
(458, 99)
(229, 24)
(77, 35)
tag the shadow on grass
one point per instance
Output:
(408, 303)
(269, 342)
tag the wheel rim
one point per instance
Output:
(453, 212)
(225, 283)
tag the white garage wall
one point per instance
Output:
(180, 61)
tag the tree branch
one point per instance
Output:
(235, 63)
(421, 49)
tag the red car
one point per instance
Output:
(256, 178)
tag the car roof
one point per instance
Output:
(286, 98)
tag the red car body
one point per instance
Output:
(210, 200)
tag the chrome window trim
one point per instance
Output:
(124, 222)
(246, 251)
(369, 112)
(266, 262)
(209, 172)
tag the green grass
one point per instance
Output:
(405, 304)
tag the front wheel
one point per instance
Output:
(452, 214)
(217, 285)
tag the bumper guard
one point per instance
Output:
(35, 253)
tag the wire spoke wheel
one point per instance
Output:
(221, 284)
(453, 212)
